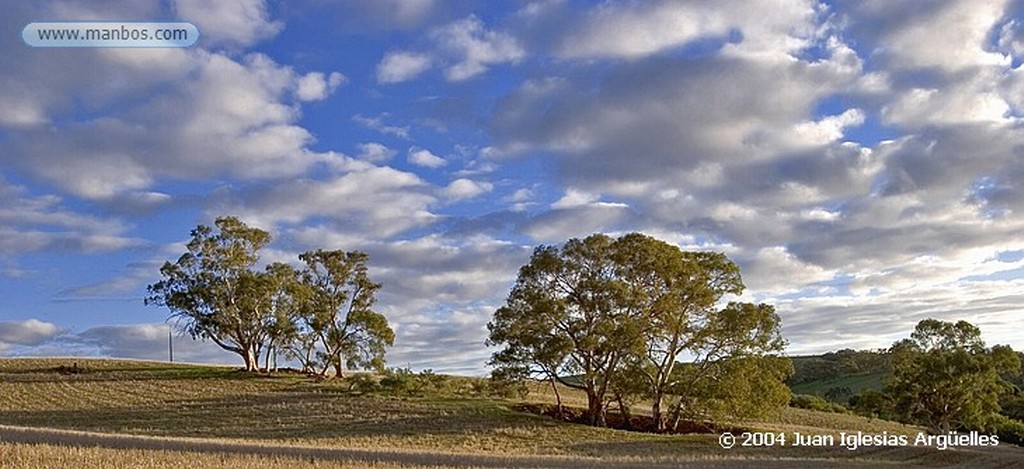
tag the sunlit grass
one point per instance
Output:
(226, 405)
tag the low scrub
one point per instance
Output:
(805, 401)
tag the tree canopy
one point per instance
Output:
(946, 379)
(321, 315)
(213, 290)
(603, 314)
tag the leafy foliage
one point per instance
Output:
(616, 315)
(805, 401)
(321, 315)
(336, 324)
(213, 291)
(945, 378)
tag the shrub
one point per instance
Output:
(805, 401)
(1008, 430)
(363, 382)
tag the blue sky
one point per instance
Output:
(861, 161)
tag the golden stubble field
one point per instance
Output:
(148, 414)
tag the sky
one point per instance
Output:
(861, 161)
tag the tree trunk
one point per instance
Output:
(558, 399)
(627, 418)
(595, 409)
(266, 362)
(251, 359)
(659, 422)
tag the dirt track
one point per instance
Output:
(12, 434)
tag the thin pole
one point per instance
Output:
(170, 346)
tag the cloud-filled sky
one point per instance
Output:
(863, 161)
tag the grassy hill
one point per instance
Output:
(842, 388)
(294, 414)
(838, 376)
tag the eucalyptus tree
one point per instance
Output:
(213, 291)
(564, 319)
(676, 293)
(606, 314)
(946, 379)
(338, 324)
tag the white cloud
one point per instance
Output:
(475, 48)
(35, 223)
(228, 117)
(375, 152)
(575, 198)
(423, 157)
(361, 15)
(950, 35)
(397, 67)
(27, 332)
(363, 199)
(315, 86)
(377, 123)
(639, 29)
(462, 188)
(238, 23)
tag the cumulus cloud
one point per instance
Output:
(475, 48)
(462, 188)
(639, 29)
(368, 198)
(397, 67)
(27, 332)
(384, 14)
(242, 23)
(315, 86)
(149, 342)
(228, 117)
(375, 152)
(423, 157)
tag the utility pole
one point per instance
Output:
(170, 345)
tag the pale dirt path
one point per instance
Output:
(13, 434)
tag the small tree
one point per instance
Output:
(945, 378)
(213, 292)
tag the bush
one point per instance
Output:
(405, 381)
(1013, 407)
(1009, 430)
(872, 404)
(805, 401)
(363, 383)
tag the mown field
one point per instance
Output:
(203, 416)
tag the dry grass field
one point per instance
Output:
(207, 416)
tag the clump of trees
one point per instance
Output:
(321, 314)
(637, 318)
(946, 379)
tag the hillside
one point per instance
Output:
(208, 405)
(840, 375)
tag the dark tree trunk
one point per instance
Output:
(627, 418)
(558, 400)
(595, 410)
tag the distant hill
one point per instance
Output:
(838, 376)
